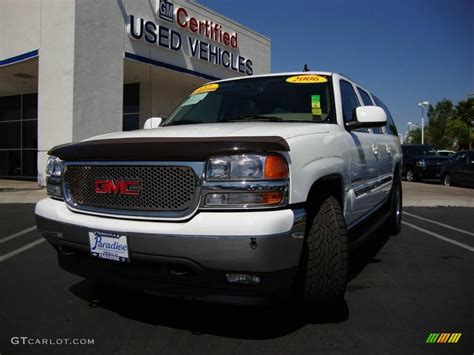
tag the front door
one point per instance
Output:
(362, 153)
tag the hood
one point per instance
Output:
(285, 130)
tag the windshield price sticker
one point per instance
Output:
(206, 88)
(306, 79)
(109, 245)
(316, 105)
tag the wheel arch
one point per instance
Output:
(332, 184)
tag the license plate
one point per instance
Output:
(109, 246)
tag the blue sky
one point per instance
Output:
(403, 51)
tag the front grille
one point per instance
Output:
(162, 188)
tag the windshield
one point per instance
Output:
(302, 98)
(421, 150)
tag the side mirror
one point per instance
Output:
(152, 122)
(367, 117)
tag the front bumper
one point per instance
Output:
(429, 172)
(186, 259)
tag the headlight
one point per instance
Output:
(246, 181)
(54, 166)
(247, 167)
(421, 163)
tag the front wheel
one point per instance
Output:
(410, 175)
(447, 180)
(325, 254)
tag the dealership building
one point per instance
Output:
(73, 69)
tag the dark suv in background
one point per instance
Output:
(421, 161)
(459, 169)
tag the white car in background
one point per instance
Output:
(446, 153)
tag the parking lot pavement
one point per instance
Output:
(432, 193)
(402, 289)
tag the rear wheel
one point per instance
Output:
(394, 223)
(325, 255)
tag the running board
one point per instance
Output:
(362, 231)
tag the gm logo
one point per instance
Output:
(165, 10)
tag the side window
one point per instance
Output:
(365, 97)
(368, 102)
(349, 100)
(390, 126)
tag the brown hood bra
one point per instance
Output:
(168, 148)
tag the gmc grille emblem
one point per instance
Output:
(118, 187)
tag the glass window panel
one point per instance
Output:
(29, 163)
(30, 106)
(30, 134)
(131, 98)
(131, 122)
(349, 100)
(10, 134)
(10, 163)
(10, 108)
(365, 97)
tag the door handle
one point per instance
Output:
(375, 149)
(389, 149)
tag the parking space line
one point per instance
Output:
(439, 224)
(21, 250)
(20, 233)
(459, 244)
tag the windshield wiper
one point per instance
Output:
(180, 122)
(254, 118)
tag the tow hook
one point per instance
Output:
(253, 243)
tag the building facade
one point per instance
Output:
(72, 69)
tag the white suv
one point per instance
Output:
(252, 190)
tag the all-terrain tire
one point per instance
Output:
(325, 254)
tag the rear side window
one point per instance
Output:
(349, 100)
(368, 102)
(390, 126)
(365, 97)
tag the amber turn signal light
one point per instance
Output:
(276, 168)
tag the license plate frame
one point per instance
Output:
(109, 246)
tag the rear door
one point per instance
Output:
(362, 157)
(389, 146)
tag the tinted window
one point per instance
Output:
(365, 97)
(390, 126)
(130, 122)
(349, 100)
(131, 107)
(10, 163)
(18, 135)
(30, 107)
(10, 108)
(131, 98)
(419, 150)
(10, 135)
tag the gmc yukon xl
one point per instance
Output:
(253, 190)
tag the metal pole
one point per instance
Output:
(422, 126)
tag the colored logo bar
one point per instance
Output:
(441, 338)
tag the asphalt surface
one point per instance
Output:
(402, 289)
